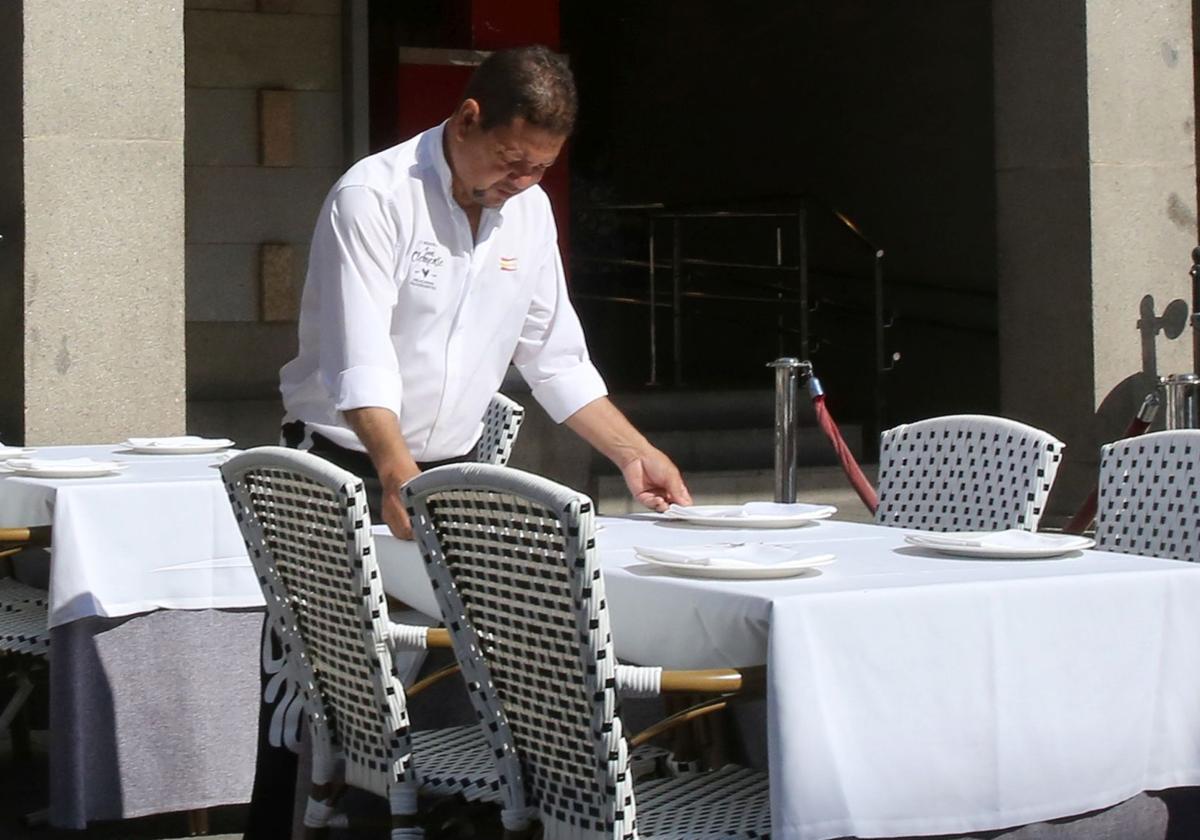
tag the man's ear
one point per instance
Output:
(467, 116)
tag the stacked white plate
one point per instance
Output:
(751, 514)
(734, 560)
(178, 445)
(1013, 544)
(7, 452)
(62, 467)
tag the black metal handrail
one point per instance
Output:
(796, 209)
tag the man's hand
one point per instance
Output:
(651, 476)
(379, 430)
(392, 503)
(655, 481)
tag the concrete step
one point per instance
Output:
(821, 484)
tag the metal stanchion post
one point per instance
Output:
(787, 373)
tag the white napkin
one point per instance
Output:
(729, 555)
(178, 440)
(48, 464)
(1011, 538)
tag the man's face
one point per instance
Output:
(492, 166)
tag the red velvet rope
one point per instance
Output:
(854, 473)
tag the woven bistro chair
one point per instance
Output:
(513, 564)
(1149, 499)
(965, 472)
(501, 422)
(24, 621)
(308, 534)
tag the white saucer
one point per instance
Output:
(46, 469)
(1001, 545)
(721, 560)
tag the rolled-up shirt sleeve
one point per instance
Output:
(551, 353)
(353, 263)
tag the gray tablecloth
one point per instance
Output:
(152, 713)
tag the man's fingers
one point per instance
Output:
(397, 522)
(679, 492)
(652, 501)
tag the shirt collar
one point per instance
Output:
(435, 160)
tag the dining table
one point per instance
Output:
(155, 619)
(913, 691)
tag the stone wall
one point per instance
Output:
(264, 144)
(1096, 174)
(99, 109)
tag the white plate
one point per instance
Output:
(744, 516)
(7, 452)
(720, 560)
(998, 545)
(94, 470)
(200, 446)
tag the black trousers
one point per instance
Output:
(274, 793)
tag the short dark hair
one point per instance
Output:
(528, 82)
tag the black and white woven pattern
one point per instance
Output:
(501, 422)
(307, 531)
(512, 560)
(1149, 499)
(965, 472)
(24, 618)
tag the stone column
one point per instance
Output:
(1096, 217)
(101, 239)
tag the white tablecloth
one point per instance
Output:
(159, 535)
(911, 693)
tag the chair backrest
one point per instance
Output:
(501, 422)
(965, 472)
(512, 561)
(308, 534)
(1149, 500)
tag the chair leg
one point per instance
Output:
(320, 809)
(402, 801)
(24, 689)
(197, 822)
(19, 730)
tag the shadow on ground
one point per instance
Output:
(26, 789)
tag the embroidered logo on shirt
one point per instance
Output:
(425, 265)
(508, 263)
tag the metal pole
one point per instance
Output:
(653, 313)
(881, 365)
(802, 261)
(676, 299)
(779, 320)
(787, 371)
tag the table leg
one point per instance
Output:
(197, 822)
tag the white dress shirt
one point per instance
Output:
(404, 309)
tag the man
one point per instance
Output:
(433, 265)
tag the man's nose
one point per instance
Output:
(522, 182)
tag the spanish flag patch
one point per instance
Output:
(508, 263)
